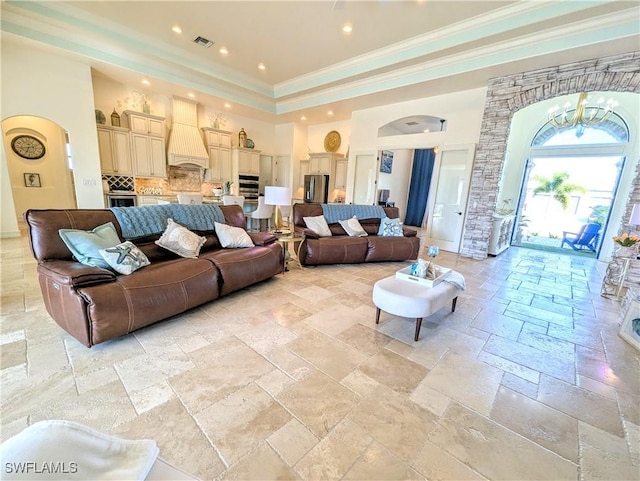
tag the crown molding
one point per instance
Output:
(613, 26)
(498, 21)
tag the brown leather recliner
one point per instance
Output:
(340, 248)
(95, 305)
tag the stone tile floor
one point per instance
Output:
(292, 379)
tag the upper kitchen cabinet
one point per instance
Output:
(340, 178)
(148, 144)
(248, 160)
(114, 145)
(219, 147)
(145, 123)
(320, 163)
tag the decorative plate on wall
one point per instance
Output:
(332, 141)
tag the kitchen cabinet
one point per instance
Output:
(320, 163)
(148, 144)
(303, 169)
(500, 239)
(114, 144)
(218, 144)
(248, 161)
(145, 123)
(149, 159)
(340, 178)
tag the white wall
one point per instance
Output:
(317, 133)
(398, 180)
(40, 83)
(463, 111)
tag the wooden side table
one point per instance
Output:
(615, 276)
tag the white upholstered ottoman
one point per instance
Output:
(407, 299)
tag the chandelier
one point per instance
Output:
(584, 114)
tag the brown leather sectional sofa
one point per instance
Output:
(95, 305)
(340, 248)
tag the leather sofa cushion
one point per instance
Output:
(334, 250)
(382, 249)
(156, 292)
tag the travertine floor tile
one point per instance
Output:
(235, 424)
(471, 383)
(378, 463)
(604, 455)
(482, 445)
(394, 371)
(541, 424)
(332, 457)
(263, 463)
(319, 402)
(435, 463)
(292, 441)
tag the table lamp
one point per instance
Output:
(275, 195)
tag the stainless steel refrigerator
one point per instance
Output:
(316, 188)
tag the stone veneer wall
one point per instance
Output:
(633, 275)
(507, 95)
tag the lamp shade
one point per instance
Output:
(635, 215)
(275, 195)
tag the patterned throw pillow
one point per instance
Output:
(180, 240)
(125, 258)
(353, 228)
(318, 225)
(231, 237)
(390, 228)
(85, 245)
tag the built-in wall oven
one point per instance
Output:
(121, 199)
(249, 186)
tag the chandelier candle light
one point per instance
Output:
(275, 195)
(584, 115)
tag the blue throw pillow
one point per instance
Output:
(85, 245)
(390, 228)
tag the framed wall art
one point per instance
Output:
(32, 180)
(630, 327)
(386, 161)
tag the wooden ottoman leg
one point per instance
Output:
(377, 315)
(453, 304)
(418, 324)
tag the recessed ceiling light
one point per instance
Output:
(145, 82)
(224, 51)
(261, 66)
(191, 95)
(330, 113)
(227, 105)
(176, 29)
(303, 118)
(347, 28)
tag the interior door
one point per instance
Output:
(365, 178)
(447, 210)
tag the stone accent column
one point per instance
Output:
(507, 95)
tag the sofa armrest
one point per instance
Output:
(262, 238)
(409, 232)
(308, 233)
(72, 273)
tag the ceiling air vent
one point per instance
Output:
(203, 41)
(412, 123)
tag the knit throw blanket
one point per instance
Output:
(337, 212)
(152, 219)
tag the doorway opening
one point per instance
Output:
(569, 185)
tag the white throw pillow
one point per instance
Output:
(125, 258)
(180, 240)
(353, 227)
(318, 225)
(231, 237)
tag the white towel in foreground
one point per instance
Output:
(59, 449)
(456, 279)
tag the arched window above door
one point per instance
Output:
(614, 130)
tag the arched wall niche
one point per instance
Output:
(507, 95)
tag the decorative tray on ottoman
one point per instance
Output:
(405, 274)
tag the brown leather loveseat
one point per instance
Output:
(341, 248)
(94, 304)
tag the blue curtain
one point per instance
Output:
(423, 162)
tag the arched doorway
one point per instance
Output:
(40, 179)
(569, 184)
